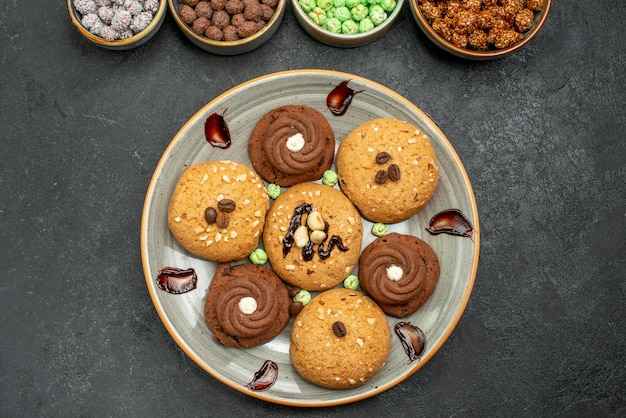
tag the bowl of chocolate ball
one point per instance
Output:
(117, 24)
(346, 23)
(480, 29)
(228, 27)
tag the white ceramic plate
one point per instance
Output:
(182, 314)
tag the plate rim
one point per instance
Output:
(263, 395)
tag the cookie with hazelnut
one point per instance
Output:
(388, 169)
(217, 210)
(312, 236)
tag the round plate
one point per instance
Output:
(242, 107)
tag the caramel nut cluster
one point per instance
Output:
(481, 24)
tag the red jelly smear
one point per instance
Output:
(216, 131)
(265, 377)
(176, 281)
(412, 338)
(450, 221)
(339, 99)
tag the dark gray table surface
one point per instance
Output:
(541, 134)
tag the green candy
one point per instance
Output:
(307, 5)
(349, 27)
(318, 16)
(388, 5)
(303, 296)
(377, 15)
(330, 178)
(379, 229)
(334, 25)
(366, 25)
(359, 12)
(258, 256)
(273, 190)
(342, 13)
(324, 4)
(351, 282)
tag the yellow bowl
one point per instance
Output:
(120, 44)
(239, 46)
(540, 19)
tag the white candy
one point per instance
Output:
(247, 305)
(295, 142)
(394, 273)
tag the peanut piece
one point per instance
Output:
(301, 236)
(315, 221)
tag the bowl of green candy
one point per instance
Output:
(346, 23)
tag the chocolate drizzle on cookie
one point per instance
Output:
(308, 250)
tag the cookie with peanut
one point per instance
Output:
(217, 210)
(313, 236)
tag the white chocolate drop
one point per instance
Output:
(295, 142)
(394, 273)
(247, 305)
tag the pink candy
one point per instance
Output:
(85, 6)
(141, 21)
(134, 7)
(106, 14)
(151, 6)
(121, 20)
(108, 33)
(116, 19)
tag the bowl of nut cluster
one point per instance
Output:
(346, 23)
(480, 29)
(228, 27)
(117, 24)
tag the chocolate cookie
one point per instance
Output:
(388, 168)
(246, 305)
(312, 236)
(399, 272)
(217, 210)
(340, 339)
(292, 144)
